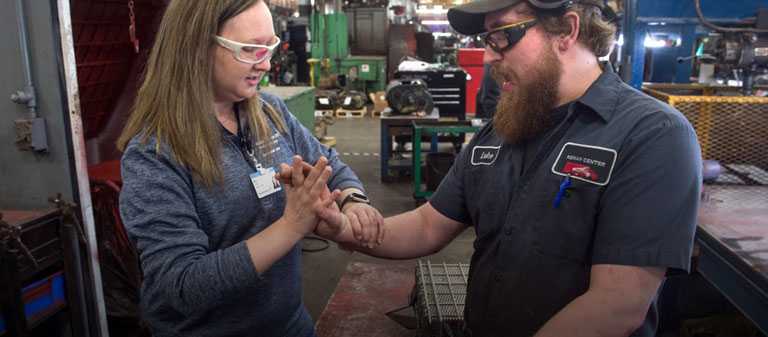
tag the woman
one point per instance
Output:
(217, 238)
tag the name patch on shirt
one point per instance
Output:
(484, 155)
(588, 163)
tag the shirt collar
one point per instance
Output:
(602, 95)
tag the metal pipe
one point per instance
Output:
(77, 137)
(27, 95)
(714, 27)
(748, 80)
(80, 318)
(628, 31)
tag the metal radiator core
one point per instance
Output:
(440, 293)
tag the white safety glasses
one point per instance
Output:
(249, 53)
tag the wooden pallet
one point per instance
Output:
(344, 113)
(320, 113)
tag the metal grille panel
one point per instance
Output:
(731, 129)
(441, 290)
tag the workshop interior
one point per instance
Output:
(396, 91)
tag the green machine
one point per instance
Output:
(369, 71)
(300, 102)
(330, 54)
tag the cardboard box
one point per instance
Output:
(379, 99)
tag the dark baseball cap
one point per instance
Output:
(469, 19)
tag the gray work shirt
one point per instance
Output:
(616, 182)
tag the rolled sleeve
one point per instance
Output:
(647, 215)
(157, 207)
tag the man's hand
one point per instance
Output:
(348, 233)
(366, 223)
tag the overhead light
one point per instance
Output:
(650, 42)
(435, 22)
(437, 9)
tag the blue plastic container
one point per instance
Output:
(41, 298)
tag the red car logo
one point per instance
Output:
(580, 170)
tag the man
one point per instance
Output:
(583, 192)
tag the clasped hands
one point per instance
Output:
(311, 207)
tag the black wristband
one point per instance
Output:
(355, 197)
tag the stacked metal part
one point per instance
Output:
(326, 100)
(352, 100)
(440, 293)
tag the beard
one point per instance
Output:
(526, 112)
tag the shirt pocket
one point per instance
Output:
(566, 232)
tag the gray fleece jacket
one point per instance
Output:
(198, 276)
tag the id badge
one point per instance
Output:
(265, 182)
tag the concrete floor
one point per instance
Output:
(322, 270)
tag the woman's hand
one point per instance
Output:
(306, 196)
(358, 224)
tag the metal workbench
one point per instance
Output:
(732, 243)
(392, 126)
(432, 129)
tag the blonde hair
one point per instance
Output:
(175, 101)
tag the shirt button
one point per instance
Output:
(498, 277)
(508, 231)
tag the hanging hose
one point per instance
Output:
(712, 26)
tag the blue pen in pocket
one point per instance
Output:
(561, 193)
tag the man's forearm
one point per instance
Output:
(595, 314)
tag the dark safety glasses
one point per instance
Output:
(505, 37)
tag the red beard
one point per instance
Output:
(525, 113)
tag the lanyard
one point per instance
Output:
(244, 138)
